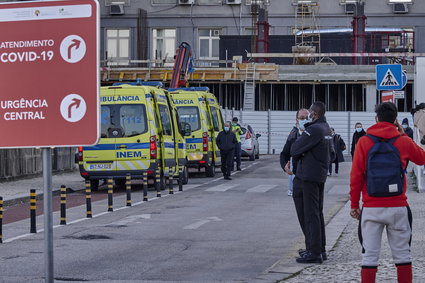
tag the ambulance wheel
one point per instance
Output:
(185, 176)
(94, 185)
(210, 170)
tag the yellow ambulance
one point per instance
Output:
(140, 132)
(199, 108)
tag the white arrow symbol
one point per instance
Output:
(199, 223)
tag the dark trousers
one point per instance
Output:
(336, 167)
(238, 155)
(308, 199)
(226, 161)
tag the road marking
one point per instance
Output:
(199, 223)
(129, 219)
(261, 189)
(221, 188)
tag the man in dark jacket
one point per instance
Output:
(314, 149)
(359, 132)
(290, 166)
(226, 142)
(406, 128)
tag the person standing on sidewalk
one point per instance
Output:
(289, 165)
(387, 209)
(314, 151)
(226, 142)
(359, 132)
(339, 146)
(236, 129)
(406, 128)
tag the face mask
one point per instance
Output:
(302, 123)
(359, 130)
(226, 129)
(404, 126)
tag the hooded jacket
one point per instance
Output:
(314, 150)
(408, 149)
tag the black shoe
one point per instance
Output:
(239, 169)
(324, 256)
(227, 178)
(308, 257)
(301, 252)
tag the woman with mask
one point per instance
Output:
(358, 133)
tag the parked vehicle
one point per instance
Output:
(140, 131)
(249, 143)
(199, 108)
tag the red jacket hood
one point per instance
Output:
(383, 130)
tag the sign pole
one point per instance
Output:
(48, 218)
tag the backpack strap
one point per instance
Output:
(376, 139)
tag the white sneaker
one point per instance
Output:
(290, 193)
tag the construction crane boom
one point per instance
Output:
(182, 65)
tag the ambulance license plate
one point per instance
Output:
(100, 166)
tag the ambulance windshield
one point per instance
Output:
(190, 115)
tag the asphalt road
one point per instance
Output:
(215, 230)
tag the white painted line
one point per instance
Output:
(16, 238)
(221, 188)
(78, 220)
(130, 219)
(199, 223)
(261, 188)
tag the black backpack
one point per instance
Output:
(384, 172)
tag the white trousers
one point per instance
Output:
(398, 223)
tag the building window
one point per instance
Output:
(209, 40)
(164, 45)
(118, 44)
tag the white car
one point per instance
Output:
(249, 143)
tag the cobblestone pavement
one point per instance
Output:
(344, 260)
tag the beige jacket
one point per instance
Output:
(419, 122)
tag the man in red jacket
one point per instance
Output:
(391, 213)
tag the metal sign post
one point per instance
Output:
(48, 212)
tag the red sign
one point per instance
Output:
(49, 70)
(387, 96)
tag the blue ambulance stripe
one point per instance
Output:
(194, 140)
(112, 146)
(168, 145)
(181, 145)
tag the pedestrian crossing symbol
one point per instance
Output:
(389, 77)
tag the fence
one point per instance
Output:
(274, 126)
(28, 161)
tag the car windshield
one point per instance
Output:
(190, 115)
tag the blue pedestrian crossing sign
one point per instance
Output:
(389, 77)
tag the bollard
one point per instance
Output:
(33, 228)
(63, 205)
(88, 199)
(158, 183)
(128, 189)
(110, 192)
(145, 186)
(170, 181)
(1, 220)
(180, 179)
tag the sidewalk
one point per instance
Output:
(18, 190)
(344, 260)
